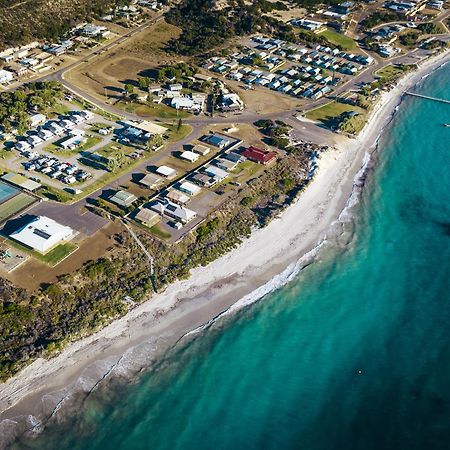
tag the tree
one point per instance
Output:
(155, 141)
(179, 124)
(144, 83)
(129, 89)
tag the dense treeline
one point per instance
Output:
(41, 323)
(25, 21)
(205, 27)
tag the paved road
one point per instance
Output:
(76, 214)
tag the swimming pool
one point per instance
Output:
(7, 192)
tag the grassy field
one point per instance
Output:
(53, 257)
(389, 72)
(58, 110)
(98, 126)
(339, 39)
(331, 110)
(177, 135)
(159, 232)
(56, 149)
(14, 205)
(247, 169)
(153, 110)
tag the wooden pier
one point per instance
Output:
(435, 99)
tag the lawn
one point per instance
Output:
(53, 257)
(153, 110)
(98, 126)
(55, 148)
(58, 110)
(14, 205)
(339, 40)
(159, 232)
(178, 134)
(331, 110)
(389, 72)
(247, 169)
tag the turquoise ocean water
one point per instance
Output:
(353, 354)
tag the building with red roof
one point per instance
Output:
(259, 156)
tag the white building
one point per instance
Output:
(173, 211)
(189, 188)
(72, 142)
(6, 76)
(190, 156)
(37, 119)
(42, 234)
(166, 172)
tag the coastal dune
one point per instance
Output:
(42, 388)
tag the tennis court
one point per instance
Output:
(7, 192)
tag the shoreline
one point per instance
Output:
(232, 281)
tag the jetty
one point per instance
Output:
(435, 99)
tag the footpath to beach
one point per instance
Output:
(150, 328)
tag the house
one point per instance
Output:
(202, 78)
(42, 234)
(90, 30)
(189, 188)
(306, 24)
(175, 87)
(189, 156)
(55, 128)
(123, 198)
(177, 197)
(66, 124)
(22, 146)
(6, 76)
(173, 211)
(182, 103)
(146, 127)
(235, 157)
(217, 141)
(204, 180)
(166, 172)
(202, 150)
(17, 70)
(436, 4)
(147, 217)
(72, 142)
(151, 181)
(230, 102)
(216, 172)
(86, 114)
(225, 164)
(34, 140)
(44, 134)
(37, 119)
(259, 156)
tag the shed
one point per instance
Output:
(123, 198)
(190, 156)
(202, 150)
(189, 188)
(177, 197)
(166, 172)
(147, 217)
(151, 181)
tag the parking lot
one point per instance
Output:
(57, 152)
(75, 216)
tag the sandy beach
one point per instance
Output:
(132, 341)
